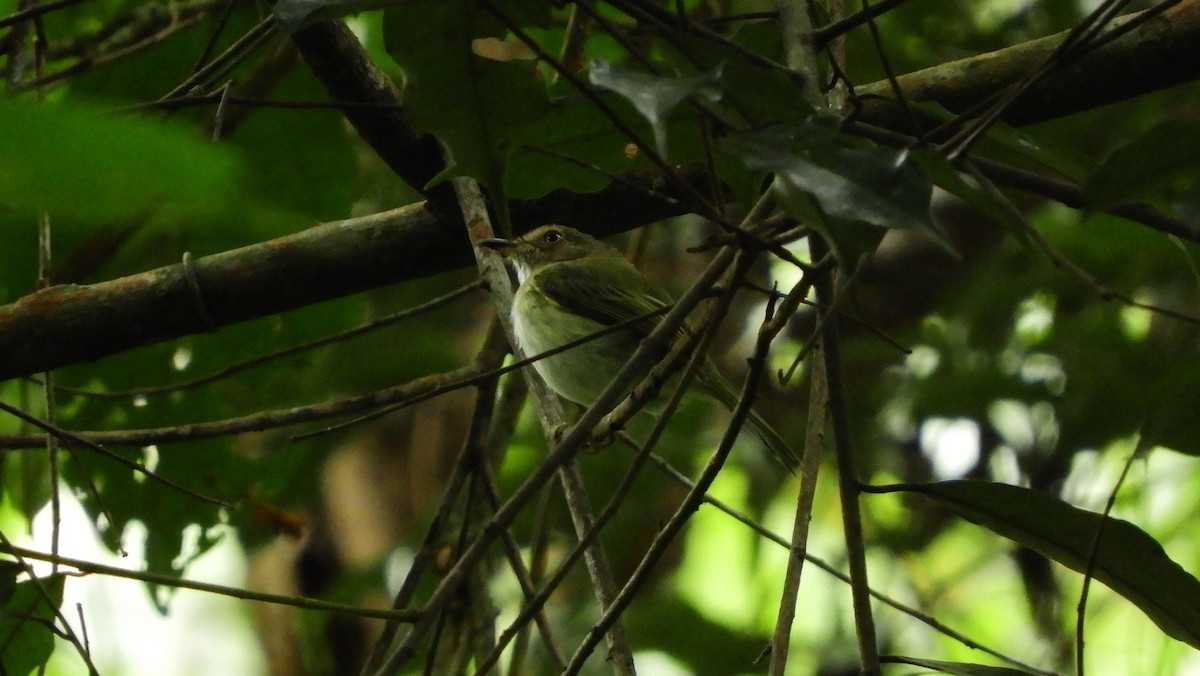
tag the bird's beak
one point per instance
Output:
(498, 244)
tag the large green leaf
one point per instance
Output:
(84, 164)
(754, 94)
(655, 96)
(1129, 561)
(25, 619)
(222, 468)
(478, 107)
(311, 178)
(1160, 163)
(870, 184)
(856, 189)
(579, 148)
(1171, 410)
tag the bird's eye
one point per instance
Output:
(552, 236)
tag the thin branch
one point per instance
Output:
(122, 46)
(69, 436)
(1089, 569)
(1061, 191)
(67, 632)
(252, 40)
(1062, 261)
(848, 483)
(408, 394)
(1071, 48)
(254, 102)
(144, 22)
(553, 582)
(935, 624)
(827, 33)
(682, 514)
(425, 558)
(182, 583)
(550, 411)
(897, 91)
(37, 10)
(810, 464)
(373, 325)
(539, 554)
(524, 578)
(50, 406)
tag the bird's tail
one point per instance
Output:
(762, 429)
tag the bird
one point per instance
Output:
(572, 285)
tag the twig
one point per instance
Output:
(67, 435)
(810, 464)
(36, 11)
(828, 32)
(50, 407)
(1094, 552)
(227, 60)
(524, 578)
(182, 583)
(122, 46)
(676, 476)
(426, 554)
(1062, 261)
(539, 549)
(409, 393)
(847, 479)
(20, 554)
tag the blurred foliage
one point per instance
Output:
(1031, 363)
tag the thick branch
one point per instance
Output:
(70, 323)
(1160, 53)
(341, 64)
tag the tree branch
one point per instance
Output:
(1158, 54)
(71, 324)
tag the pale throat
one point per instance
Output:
(522, 269)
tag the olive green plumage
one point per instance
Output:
(572, 285)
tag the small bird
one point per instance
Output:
(572, 285)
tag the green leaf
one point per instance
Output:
(9, 570)
(1160, 163)
(479, 108)
(578, 148)
(1129, 561)
(654, 96)
(315, 179)
(945, 176)
(856, 189)
(1171, 410)
(84, 164)
(872, 185)
(25, 620)
(753, 94)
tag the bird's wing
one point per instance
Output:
(607, 294)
